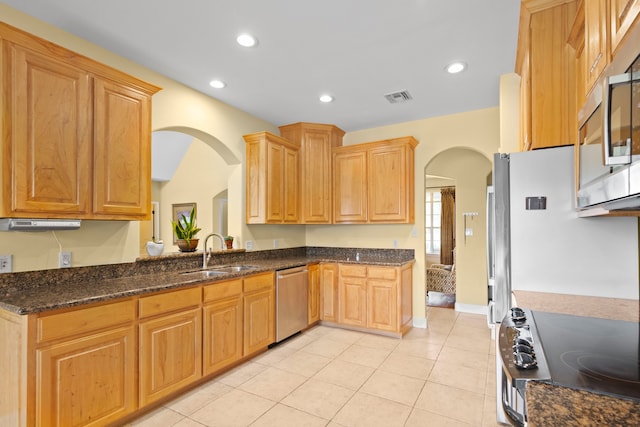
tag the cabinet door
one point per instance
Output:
(329, 292)
(314, 294)
(352, 301)
(259, 321)
(350, 181)
(222, 334)
(552, 74)
(623, 14)
(291, 193)
(595, 34)
(316, 190)
(122, 151)
(382, 305)
(275, 182)
(388, 184)
(89, 381)
(47, 141)
(170, 353)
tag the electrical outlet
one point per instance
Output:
(249, 245)
(395, 244)
(6, 263)
(64, 260)
(275, 243)
(414, 232)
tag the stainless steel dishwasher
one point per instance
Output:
(291, 301)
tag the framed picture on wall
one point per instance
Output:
(182, 209)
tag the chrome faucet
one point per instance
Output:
(205, 256)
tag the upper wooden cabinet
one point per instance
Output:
(272, 179)
(596, 49)
(316, 142)
(622, 14)
(76, 134)
(374, 182)
(547, 65)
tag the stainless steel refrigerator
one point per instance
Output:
(537, 241)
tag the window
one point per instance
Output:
(432, 214)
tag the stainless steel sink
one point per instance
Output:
(232, 268)
(220, 270)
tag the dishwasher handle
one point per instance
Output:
(291, 272)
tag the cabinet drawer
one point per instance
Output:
(169, 301)
(353, 270)
(84, 320)
(221, 290)
(387, 273)
(259, 281)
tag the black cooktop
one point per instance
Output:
(598, 355)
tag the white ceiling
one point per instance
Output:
(356, 50)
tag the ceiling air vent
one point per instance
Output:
(397, 97)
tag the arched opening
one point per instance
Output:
(464, 170)
(188, 166)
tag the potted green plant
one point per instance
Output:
(185, 229)
(228, 240)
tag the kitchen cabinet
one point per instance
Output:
(313, 308)
(272, 179)
(329, 292)
(76, 134)
(170, 342)
(375, 298)
(222, 325)
(623, 15)
(350, 182)
(547, 67)
(259, 312)
(596, 49)
(352, 295)
(85, 365)
(316, 143)
(374, 182)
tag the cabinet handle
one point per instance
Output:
(595, 63)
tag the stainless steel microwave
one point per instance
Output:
(609, 144)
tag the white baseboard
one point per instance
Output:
(471, 308)
(420, 322)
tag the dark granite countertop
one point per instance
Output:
(548, 405)
(38, 291)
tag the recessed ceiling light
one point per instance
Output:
(455, 67)
(247, 40)
(218, 84)
(326, 98)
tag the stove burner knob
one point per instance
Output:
(525, 361)
(521, 348)
(522, 341)
(518, 314)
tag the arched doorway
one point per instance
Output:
(466, 171)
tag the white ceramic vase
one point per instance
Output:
(155, 248)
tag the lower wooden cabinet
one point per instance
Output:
(87, 381)
(371, 297)
(222, 325)
(85, 366)
(352, 295)
(170, 344)
(313, 308)
(259, 312)
(329, 292)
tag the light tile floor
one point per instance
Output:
(440, 376)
